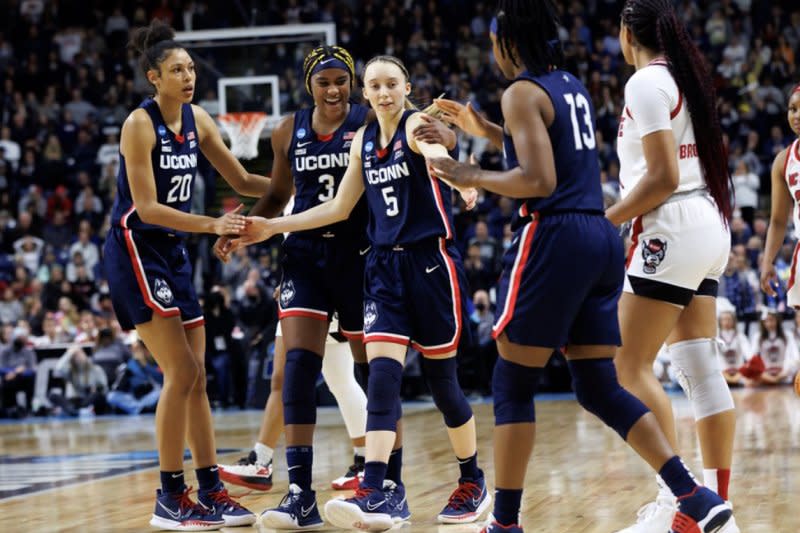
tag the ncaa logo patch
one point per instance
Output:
(369, 146)
(162, 131)
(287, 293)
(162, 291)
(653, 252)
(370, 315)
(301, 133)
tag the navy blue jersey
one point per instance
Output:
(174, 168)
(318, 165)
(574, 147)
(406, 204)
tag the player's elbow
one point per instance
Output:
(542, 186)
(147, 212)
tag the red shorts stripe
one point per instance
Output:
(793, 271)
(637, 230)
(142, 281)
(386, 337)
(516, 277)
(305, 313)
(194, 323)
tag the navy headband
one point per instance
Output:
(331, 62)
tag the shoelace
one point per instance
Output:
(186, 503)
(362, 492)
(464, 492)
(287, 500)
(223, 497)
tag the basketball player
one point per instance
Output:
(675, 187)
(150, 276)
(323, 271)
(785, 199)
(564, 271)
(412, 295)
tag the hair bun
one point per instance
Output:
(149, 36)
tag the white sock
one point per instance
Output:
(360, 450)
(263, 453)
(337, 369)
(710, 479)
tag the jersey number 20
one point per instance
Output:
(181, 188)
(582, 139)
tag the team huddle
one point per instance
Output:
(373, 188)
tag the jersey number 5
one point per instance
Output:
(582, 139)
(391, 201)
(181, 188)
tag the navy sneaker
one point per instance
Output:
(224, 507)
(467, 503)
(396, 498)
(298, 511)
(178, 512)
(703, 511)
(495, 527)
(367, 509)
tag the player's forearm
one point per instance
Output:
(162, 215)
(494, 133)
(775, 235)
(316, 217)
(514, 184)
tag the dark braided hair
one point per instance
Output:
(655, 26)
(323, 53)
(152, 43)
(530, 27)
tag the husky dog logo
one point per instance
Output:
(653, 252)
(162, 291)
(370, 315)
(287, 292)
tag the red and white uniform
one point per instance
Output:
(779, 354)
(734, 350)
(791, 173)
(684, 241)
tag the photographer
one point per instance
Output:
(85, 383)
(18, 372)
(138, 384)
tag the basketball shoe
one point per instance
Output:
(495, 527)
(467, 503)
(352, 477)
(367, 509)
(396, 498)
(298, 510)
(177, 512)
(222, 506)
(248, 472)
(655, 517)
(703, 511)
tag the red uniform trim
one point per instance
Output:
(637, 230)
(516, 279)
(144, 288)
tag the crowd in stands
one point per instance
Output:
(67, 82)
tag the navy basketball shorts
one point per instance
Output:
(415, 294)
(322, 276)
(562, 278)
(150, 272)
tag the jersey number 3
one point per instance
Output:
(582, 139)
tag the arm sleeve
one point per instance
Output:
(649, 103)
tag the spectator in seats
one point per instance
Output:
(83, 288)
(235, 271)
(75, 263)
(488, 246)
(89, 207)
(777, 351)
(740, 231)
(746, 186)
(28, 251)
(47, 263)
(59, 200)
(734, 346)
(53, 288)
(33, 201)
(479, 274)
(57, 230)
(52, 167)
(86, 330)
(222, 355)
(85, 382)
(11, 309)
(18, 372)
(67, 315)
(88, 249)
(79, 108)
(138, 384)
(109, 352)
(51, 333)
(12, 149)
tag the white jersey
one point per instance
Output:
(654, 103)
(735, 350)
(791, 173)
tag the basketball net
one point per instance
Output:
(243, 129)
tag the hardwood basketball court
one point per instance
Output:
(101, 474)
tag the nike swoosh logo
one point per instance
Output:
(428, 270)
(400, 505)
(304, 512)
(326, 61)
(300, 145)
(214, 469)
(176, 515)
(164, 141)
(176, 476)
(364, 251)
(371, 507)
(293, 467)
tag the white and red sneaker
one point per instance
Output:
(353, 476)
(247, 472)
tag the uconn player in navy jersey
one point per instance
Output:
(412, 295)
(323, 273)
(564, 271)
(150, 276)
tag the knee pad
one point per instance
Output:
(513, 388)
(385, 377)
(698, 370)
(299, 386)
(447, 394)
(599, 392)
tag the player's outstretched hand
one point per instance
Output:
(432, 131)
(258, 229)
(230, 223)
(462, 176)
(769, 279)
(222, 248)
(462, 116)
